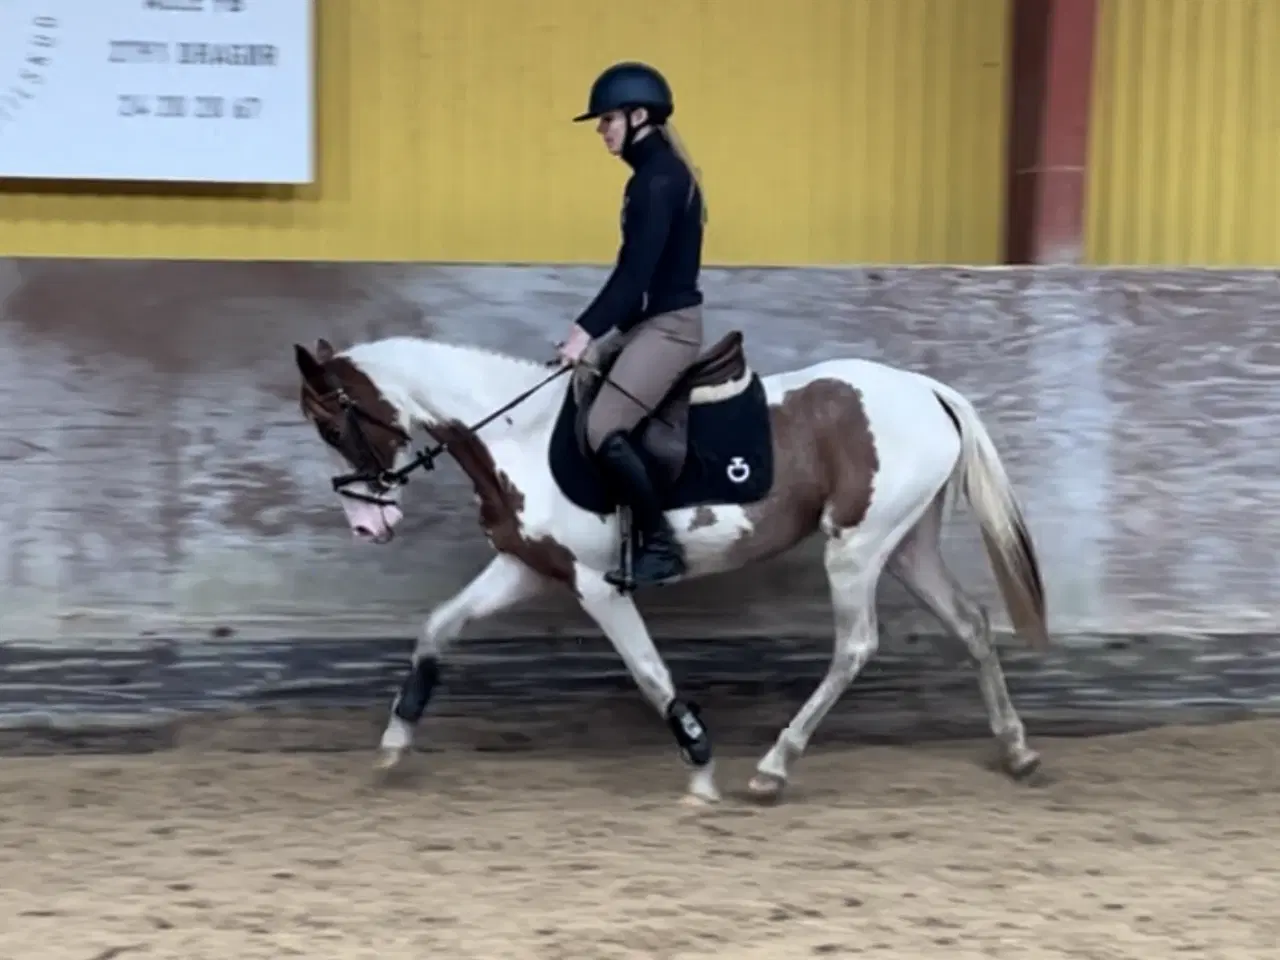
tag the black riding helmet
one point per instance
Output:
(626, 86)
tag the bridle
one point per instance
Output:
(379, 477)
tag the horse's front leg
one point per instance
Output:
(621, 622)
(502, 584)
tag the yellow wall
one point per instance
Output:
(1183, 159)
(828, 131)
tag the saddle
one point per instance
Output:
(720, 373)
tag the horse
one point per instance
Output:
(870, 456)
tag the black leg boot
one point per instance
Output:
(658, 557)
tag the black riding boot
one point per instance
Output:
(658, 556)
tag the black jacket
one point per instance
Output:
(661, 253)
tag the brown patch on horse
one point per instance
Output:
(825, 456)
(501, 503)
(702, 517)
(320, 374)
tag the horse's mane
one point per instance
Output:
(439, 341)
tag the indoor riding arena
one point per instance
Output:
(1062, 209)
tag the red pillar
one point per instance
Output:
(1051, 78)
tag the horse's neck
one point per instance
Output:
(434, 383)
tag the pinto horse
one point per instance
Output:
(867, 454)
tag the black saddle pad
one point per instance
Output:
(730, 457)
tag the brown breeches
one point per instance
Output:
(656, 354)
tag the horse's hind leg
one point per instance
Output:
(918, 564)
(853, 577)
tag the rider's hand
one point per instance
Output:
(575, 345)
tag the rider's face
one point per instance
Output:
(612, 127)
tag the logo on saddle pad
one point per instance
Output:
(738, 471)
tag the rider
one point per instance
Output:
(651, 298)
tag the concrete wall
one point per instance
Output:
(161, 492)
(157, 475)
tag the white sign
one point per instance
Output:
(199, 90)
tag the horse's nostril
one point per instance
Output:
(360, 530)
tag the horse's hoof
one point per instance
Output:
(1021, 763)
(701, 795)
(766, 788)
(702, 788)
(388, 758)
(697, 801)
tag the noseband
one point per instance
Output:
(379, 477)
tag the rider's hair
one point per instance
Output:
(677, 144)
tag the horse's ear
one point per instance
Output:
(324, 350)
(312, 372)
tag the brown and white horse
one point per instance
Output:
(862, 452)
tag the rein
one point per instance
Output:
(383, 479)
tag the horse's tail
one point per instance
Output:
(1004, 531)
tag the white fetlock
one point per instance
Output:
(702, 787)
(388, 757)
(771, 772)
(397, 740)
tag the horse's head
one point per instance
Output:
(365, 434)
